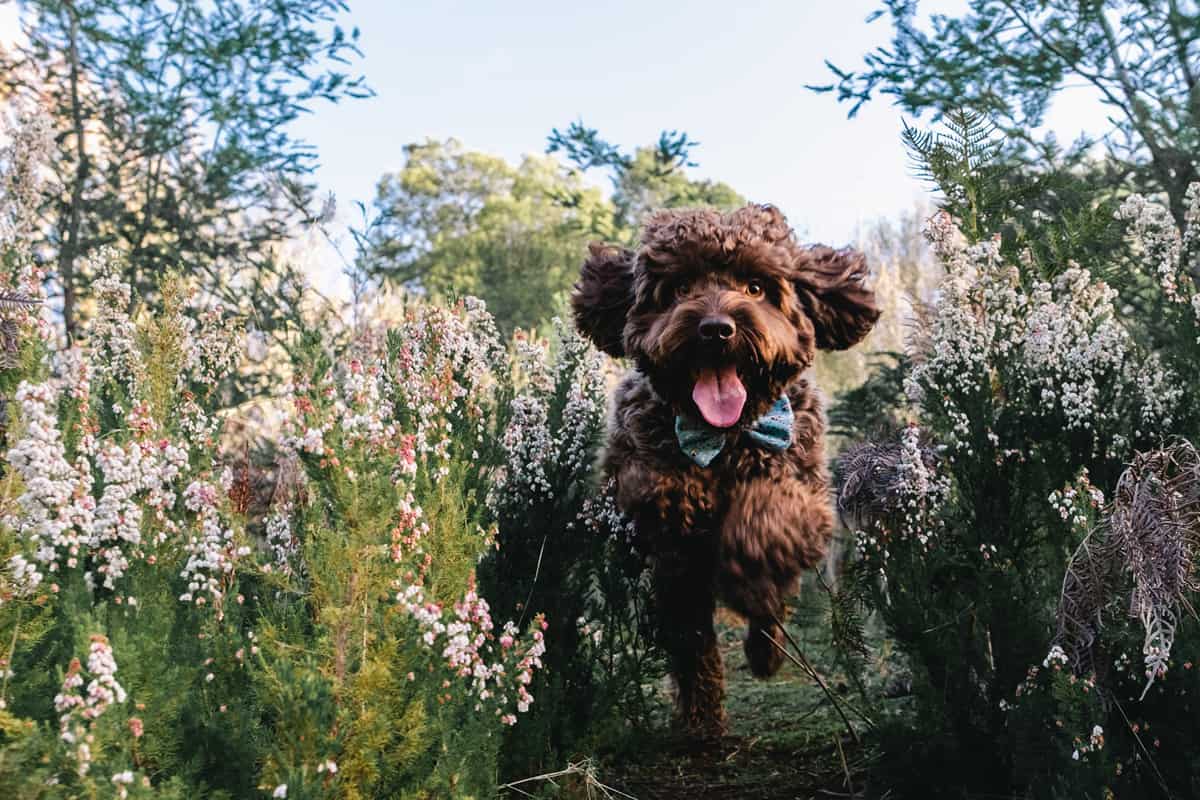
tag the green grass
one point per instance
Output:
(785, 740)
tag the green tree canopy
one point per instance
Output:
(453, 222)
(171, 123)
(1007, 59)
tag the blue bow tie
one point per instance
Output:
(702, 442)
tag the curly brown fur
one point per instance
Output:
(744, 527)
(601, 297)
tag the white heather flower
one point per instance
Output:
(1057, 348)
(1057, 657)
(29, 135)
(461, 636)
(284, 546)
(1154, 231)
(77, 712)
(1172, 257)
(280, 791)
(113, 334)
(212, 347)
(56, 508)
(212, 551)
(533, 451)
(1189, 263)
(313, 442)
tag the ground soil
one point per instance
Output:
(785, 741)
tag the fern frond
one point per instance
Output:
(1145, 552)
(11, 300)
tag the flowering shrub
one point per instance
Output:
(381, 541)
(345, 626)
(114, 541)
(1028, 394)
(1170, 255)
(995, 359)
(322, 636)
(564, 547)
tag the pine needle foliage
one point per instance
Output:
(963, 159)
(1047, 217)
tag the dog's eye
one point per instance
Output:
(681, 289)
(754, 289)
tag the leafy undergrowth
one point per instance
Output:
(785, 740)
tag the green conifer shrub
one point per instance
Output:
(1028, 538)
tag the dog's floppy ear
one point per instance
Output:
(830, 286)
(604, 295)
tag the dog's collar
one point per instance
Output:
(702, 443)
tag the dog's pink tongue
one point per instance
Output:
(719, 395)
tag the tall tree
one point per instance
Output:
(454, 222)
(172, 129)
(1007, 59)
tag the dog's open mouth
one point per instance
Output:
(720, 395)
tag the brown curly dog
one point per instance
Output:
(715, 441)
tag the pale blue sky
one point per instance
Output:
(500, 76)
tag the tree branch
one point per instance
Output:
(70, 247)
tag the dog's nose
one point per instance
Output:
(717, 327)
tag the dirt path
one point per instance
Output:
(784, 742)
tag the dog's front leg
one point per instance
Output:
(666, 509)
(685, 600)
(775, 527)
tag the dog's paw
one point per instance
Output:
(702, 725)
(764, 658)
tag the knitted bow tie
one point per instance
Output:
(702, 443)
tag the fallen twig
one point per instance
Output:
(806, 667)
(837, 740)
(1149, 757)
(816, 677)
(584, 769)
